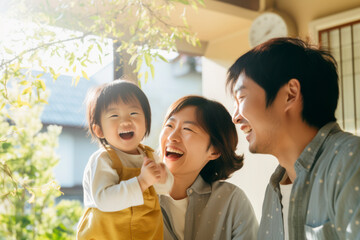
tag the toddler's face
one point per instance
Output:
(123, 125)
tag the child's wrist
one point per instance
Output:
(142, 183)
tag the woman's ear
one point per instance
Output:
(97, 130)
(214, 154)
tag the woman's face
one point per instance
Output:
(184, 144)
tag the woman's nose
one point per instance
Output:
(174, 136)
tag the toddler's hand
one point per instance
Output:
(163, 173)
(150, 174)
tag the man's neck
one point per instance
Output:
(295, 141)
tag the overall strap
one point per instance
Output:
(116, 162)
(147, 150)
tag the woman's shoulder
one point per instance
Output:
(227, 187)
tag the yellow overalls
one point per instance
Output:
(138, 223)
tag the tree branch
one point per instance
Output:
(4, 63)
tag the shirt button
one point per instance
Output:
(190, 191)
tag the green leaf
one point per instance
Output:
(152, 71)
(77, 80)
(138, 64)
(43, 101)
(41, 84)
(71, 59)
(52, 71)
(84, 75)
(2, 106)
(56, 76)
(162, 58)
(26, 91)
(147, 59)
(90, 48)
(8, 50)
(24, 82)
(132, 59)
(139, 75)
(39, 75)
(202, 3)
(146, 77)
(99, 47)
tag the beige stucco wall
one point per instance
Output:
(223, 51)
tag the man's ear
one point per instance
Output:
(97, 130)
(293, 93)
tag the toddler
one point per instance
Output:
(120, 177)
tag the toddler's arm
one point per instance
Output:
(104, 190)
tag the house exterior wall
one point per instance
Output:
(219, 56)
(74, 150)
(165, 89)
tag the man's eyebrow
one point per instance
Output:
(239, 87)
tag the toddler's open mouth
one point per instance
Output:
(126, 135)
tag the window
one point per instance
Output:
(342, 39)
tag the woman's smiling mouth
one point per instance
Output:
(173, 153)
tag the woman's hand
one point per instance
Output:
(151, 173)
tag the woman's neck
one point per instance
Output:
(181, 184)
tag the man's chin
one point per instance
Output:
(253, 149)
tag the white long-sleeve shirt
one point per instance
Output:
(102, 189)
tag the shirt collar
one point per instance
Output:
(199, 186)
(308, 156)
(311, 152)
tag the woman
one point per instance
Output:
(198, 143)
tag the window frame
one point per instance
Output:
(338, 21)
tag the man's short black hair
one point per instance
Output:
(275, 62)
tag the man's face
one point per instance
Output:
(261, 125)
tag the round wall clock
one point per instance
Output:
(270, 25)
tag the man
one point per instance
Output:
(286, 93)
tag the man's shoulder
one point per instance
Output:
(344, 137)
(343, 148)
(343, 143)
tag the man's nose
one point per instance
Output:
(236, 117)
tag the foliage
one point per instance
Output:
(28, 191)
(134, 27)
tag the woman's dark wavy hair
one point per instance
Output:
(275, 62)
(101, 97)
(216, 121)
